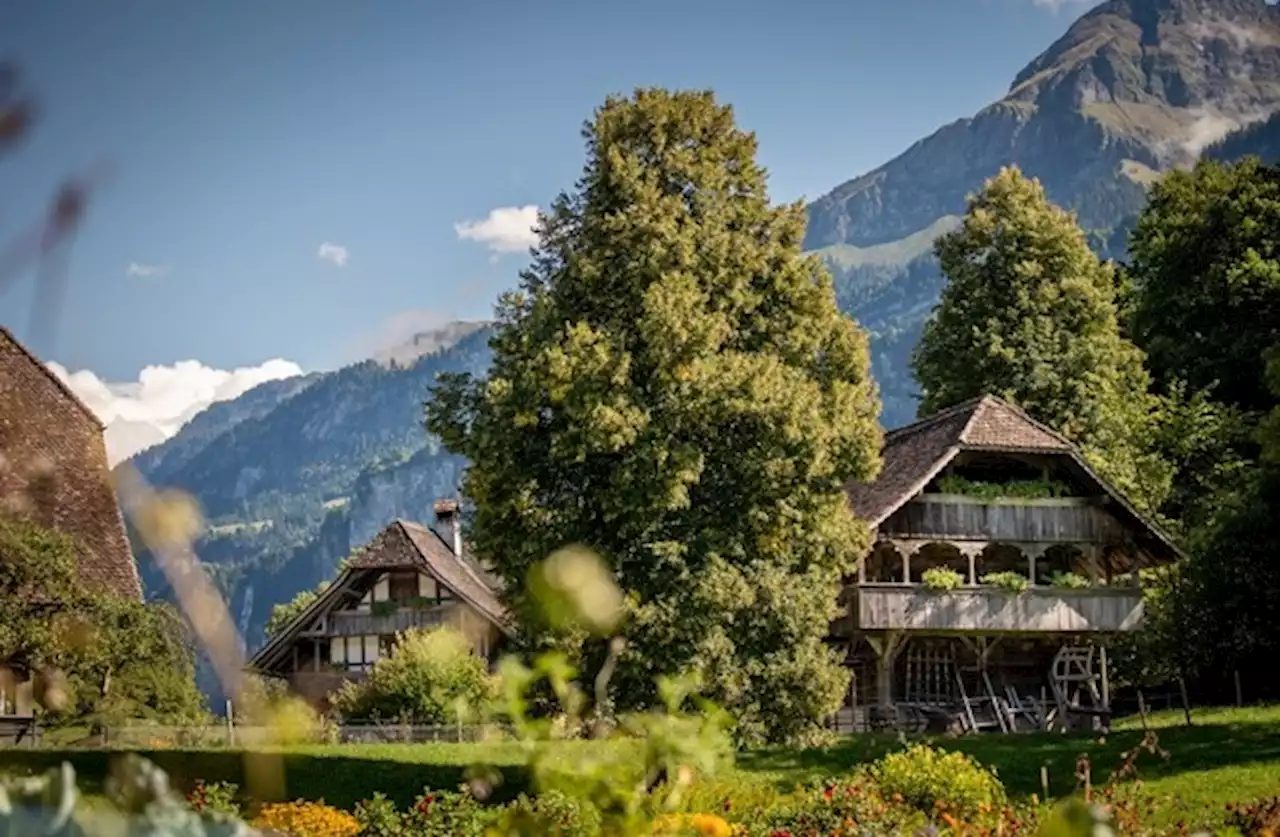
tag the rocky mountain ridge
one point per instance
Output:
(1133, 88)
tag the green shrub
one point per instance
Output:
(1074, 581)
(379, 817)
(1008, 581)
(929, 780)
(942, 578)
(432, 676)
(1040, 489)
(550, 813)
(449, 814)
(214, 797)
(829, 808)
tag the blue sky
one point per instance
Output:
(243, 135)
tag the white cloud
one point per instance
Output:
(147, 411)
(146, 271)
(335, 253)
(507, 229)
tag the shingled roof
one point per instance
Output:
(429, 551)
(55, 467)
(915, 454)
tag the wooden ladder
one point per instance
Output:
(1073, 670)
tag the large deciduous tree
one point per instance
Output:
(1029, 314)
(1206, 272)
(108, 657)
(674, 386)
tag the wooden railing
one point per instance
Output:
(880, 607)
(345, 623)
(957, 517)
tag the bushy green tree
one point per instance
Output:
(95, 654)
(1206, 272)
(283, 614)
(674, 386)
(1029, 314)
(432, 676)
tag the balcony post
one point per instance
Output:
(886, 648)
(1034, 552)
(971, 550)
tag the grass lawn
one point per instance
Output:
(1229, 755)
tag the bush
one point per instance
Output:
(931, 780)
(379, 817)
(268, 703)
(550, 813)
(214, 797)
(1073, 581)
(449, 814)
(1010, 582)
(942, 578)
(828, 808)
(1257, 818)
(306, 819)
(432, 676)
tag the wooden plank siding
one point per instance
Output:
(355, 623)
(954, 517)
(990, 610)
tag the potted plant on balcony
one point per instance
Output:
(1012, 492)
(942, 579)
(1010, 582)
(1070, 581)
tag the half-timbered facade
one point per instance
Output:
(409, 576)
(1002, 567)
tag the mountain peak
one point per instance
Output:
(1175, 75)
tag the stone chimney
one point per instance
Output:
(449, 523)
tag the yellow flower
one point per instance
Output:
(306, 819)
(709, 825)
(704, 825)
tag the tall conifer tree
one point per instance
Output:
(1029, 314)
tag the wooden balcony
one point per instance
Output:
(882, 607)
(954, 517)
(348, 623)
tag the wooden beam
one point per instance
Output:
(1106, 682)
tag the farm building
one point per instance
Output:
(1002, 567)
(409, 576)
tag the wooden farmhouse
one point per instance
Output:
(972, 504)
(409, 576)
(53, 470)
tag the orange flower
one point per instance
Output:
(306, 819)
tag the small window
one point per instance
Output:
(404, 586)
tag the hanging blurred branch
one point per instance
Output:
(45, 244)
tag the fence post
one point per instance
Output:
(1186, 702)
(1239, 691)
(231, 729)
